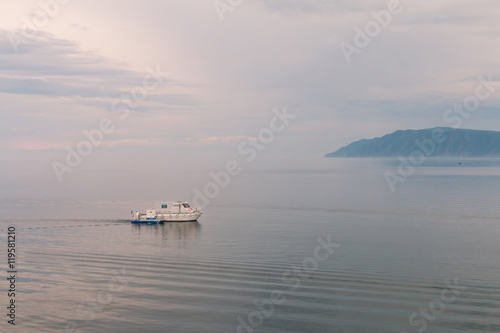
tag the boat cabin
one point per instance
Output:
(179, 207)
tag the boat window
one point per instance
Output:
(164, 206)
(186, 205)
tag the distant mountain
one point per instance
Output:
(440, 141)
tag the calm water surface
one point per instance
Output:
(432, 246)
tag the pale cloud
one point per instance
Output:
(144, 142)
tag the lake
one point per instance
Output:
(323, 246)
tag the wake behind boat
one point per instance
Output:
(179, 211)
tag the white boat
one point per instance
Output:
(179, 211)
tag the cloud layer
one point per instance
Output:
(225, 77)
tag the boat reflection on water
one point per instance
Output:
(168, 231)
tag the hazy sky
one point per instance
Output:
(226, 76)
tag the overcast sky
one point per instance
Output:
(223, 78)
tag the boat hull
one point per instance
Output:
(161, 218)
(186, 217)
(148, 221)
